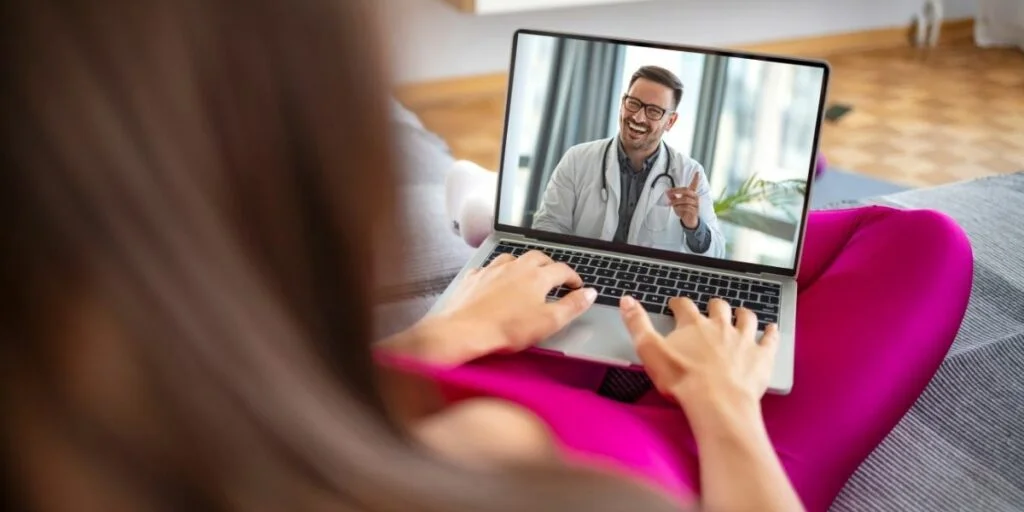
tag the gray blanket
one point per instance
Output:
(961, 447)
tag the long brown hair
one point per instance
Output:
(192, 198)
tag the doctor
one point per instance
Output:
(633, 188)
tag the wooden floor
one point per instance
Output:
(918, 119)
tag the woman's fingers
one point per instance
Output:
(536, 258)
(559, 313)
(650, 345)
(746, 322)
(720, 312)
(770, 340)
(502, 259)
(684, 310)
(558, 274)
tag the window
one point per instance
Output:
(537, 58)
(766, 126)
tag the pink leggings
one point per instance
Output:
(882, 295)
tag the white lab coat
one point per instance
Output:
(572, 202)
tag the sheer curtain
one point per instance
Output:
(1000, 23)
(579, 99)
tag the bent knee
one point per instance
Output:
(928, 229)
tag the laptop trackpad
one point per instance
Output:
(600, 335)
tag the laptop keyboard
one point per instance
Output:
(653, 284)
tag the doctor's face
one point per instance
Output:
(645, 114)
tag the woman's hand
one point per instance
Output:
(499, 308)
(718, 373)
(705, 360)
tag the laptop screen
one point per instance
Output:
(688, 154)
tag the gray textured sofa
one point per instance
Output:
(961, 447)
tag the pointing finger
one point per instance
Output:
(695, 182)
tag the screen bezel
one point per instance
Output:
(673, 256)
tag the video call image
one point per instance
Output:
(668, 149)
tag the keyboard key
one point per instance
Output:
(607, 300)
(619, 265)
(604, 272)
(562, 292)
(676, 275)
(626, 285)
(628, 276)
(606, 281)
(728, 293)
(588, 278)
(637, 269)
(664, 281)
(736, 285)
(735, 303)
(694, 296)
(658, 272)
(762, 326)
(705, 298)
(698, 279)
(518, 251)
(720, 282)
(765, 290)
(502, 248)
(667, 311)
(645, 279)
(771, 300)
(706, 288)
(746, 296)
(647, 288)
(561, 257)
(761, 308)
(601, 263)
(769, 318)
(655, 299)
(652, 308)
(636, 295)
(575, 260)
(671, 292)
(683, 285)
(585, 269)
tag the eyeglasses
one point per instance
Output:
(653, 112)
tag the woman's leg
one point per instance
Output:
(882, 295)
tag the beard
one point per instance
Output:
(639, 136)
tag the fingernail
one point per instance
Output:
(590, 294)
(628, 301)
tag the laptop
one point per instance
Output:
(747, 125)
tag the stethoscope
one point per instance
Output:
(604, 170)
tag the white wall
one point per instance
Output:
(431, 40)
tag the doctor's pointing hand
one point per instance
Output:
(686, 203)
